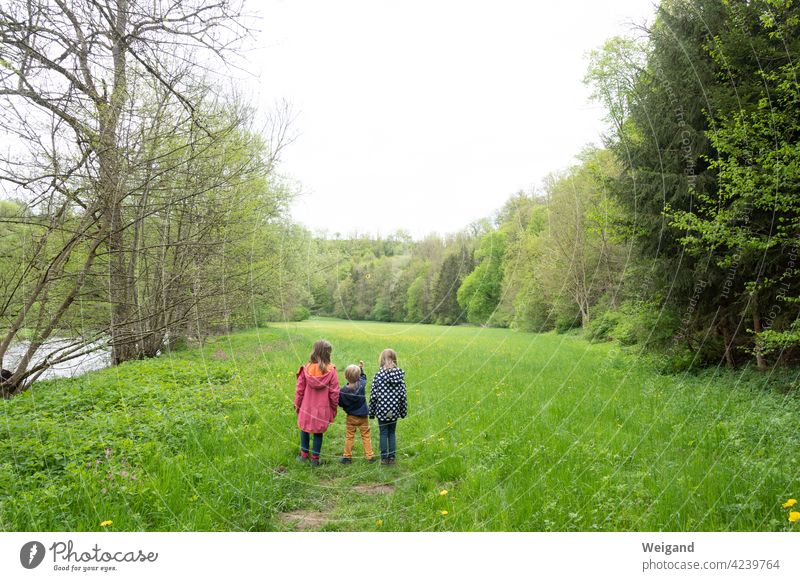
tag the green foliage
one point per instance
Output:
(566, 321)
(772, 341)
(705, 119)
(602, 327)
(481, 290)
(565, 252)
(418, 296)
(300, 313)
(381, 311)
(456, 266)
(649, 324)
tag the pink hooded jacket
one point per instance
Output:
(316, 400)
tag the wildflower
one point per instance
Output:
(106, 523)
(379, 522)
(443, 493)
(794, 516)
(444, 513)
(790, 503)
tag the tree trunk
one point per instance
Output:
(123, 335)
(760, 362)
(726, 337)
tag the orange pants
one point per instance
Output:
(351, 424)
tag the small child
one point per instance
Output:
(353, 400)
(316, 399)
(387, 402)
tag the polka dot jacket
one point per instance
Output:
(387, 398)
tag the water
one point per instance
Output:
(89, 362)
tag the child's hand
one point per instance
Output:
(361, 364)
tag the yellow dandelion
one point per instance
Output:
(443, 493)
(379, 522)
(790, 503)
(106, 523)
(794, 516)
(445, 513)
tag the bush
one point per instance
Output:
(566, 322)
(266, 315)
(645, 323)
(532, 314)
(627, 330)
(679, 360)
(272, 314)
(300, 313)
(601, 327)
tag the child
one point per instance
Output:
(353, 400)
(387, 402)
(316, 399)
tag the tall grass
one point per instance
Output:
(523, 431)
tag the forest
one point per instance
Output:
(143, 205)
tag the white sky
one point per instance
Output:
(425, 116)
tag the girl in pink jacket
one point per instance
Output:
(316, 399)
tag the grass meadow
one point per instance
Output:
(507, 431)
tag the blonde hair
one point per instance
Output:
(387, 356)
(352, 374)
(321, 354)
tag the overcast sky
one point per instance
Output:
(425, 116)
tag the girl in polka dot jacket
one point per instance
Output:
(387, 402)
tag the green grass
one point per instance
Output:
(524, 431)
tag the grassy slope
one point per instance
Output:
(526, 432)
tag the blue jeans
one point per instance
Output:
(305, 438)
(388, 442)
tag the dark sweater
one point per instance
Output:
(353, 400)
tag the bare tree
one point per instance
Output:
(89, 89)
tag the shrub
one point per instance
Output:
(600, 328)
(300, 313)
(266, 315)
(645, 323)
(566, 322)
